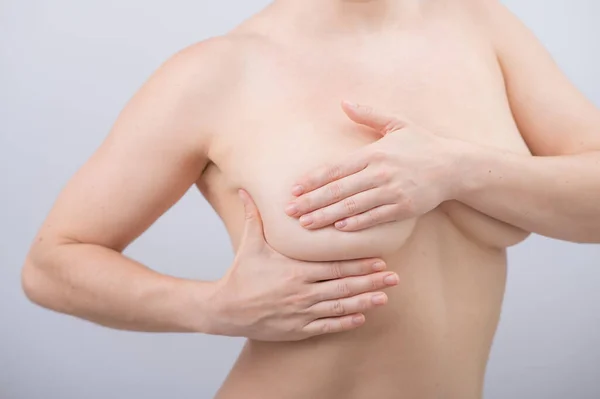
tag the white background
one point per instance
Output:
(68, 67)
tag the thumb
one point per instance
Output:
(365, 115)
(253, 233)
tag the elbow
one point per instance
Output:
(589, 231)
(35, 281)
(31, 282)
(584, 235)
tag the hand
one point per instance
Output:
(406, 173)
(267, 296)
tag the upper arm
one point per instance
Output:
(155, 151)
(553, 116)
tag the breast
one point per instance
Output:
(287, 121)
(266, 165)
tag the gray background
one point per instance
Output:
(69, 66)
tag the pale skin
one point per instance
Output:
(422, 170)
(461, 111)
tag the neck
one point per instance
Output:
(344, 15)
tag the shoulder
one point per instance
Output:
(186, 96)
(481, 20)
(205, 79)
(496, 24)
(552, 114)
(494, 19)
(207, 67)
(220, 57)
(215, 69)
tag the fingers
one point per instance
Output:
(253, 228)
(330, 193)
(334, 325)
(354, 205)
(346, 306)
(342, 314)
(330, 172)
(365, 115)
(370, 218)
(336, 270)
(351, 286)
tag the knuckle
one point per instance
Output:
(375, 283)
(350, 205)
(382, 176)
(333, 172)
(318, 294)
(335, 191)
(393, 191)
(337, 308)
(293, 300)
(308, 180)
(392, 125)
(374, 215)
(305, 311)
(304, 203)
(319, 216)
(364, 304)
(378, 155)
(366, 109)
(290, 328)
(301, 300)
(325, 328)
(309, 296)
(336, 270)
(343, 289)
(297, 274)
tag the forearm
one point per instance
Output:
(103, 286)
(557, 197)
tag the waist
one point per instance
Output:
(432, 339)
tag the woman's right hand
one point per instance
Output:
(267, 296)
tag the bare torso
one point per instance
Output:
(257, 109)
(433, 338)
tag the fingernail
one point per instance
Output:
(391, 279)
(306, 220)
(358, 319)
(297, 190)
(378, 266)
(379, 299)
(341, 224)
(291, 209)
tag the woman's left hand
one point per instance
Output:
(406, 173)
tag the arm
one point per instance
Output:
(410, 171)
(556, 192)
(154, 153)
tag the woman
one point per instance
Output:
(371, 259)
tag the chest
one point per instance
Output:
(289, 108)
(286, 119)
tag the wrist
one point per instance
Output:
(478, 167)
(197, 313)
(460, 169)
